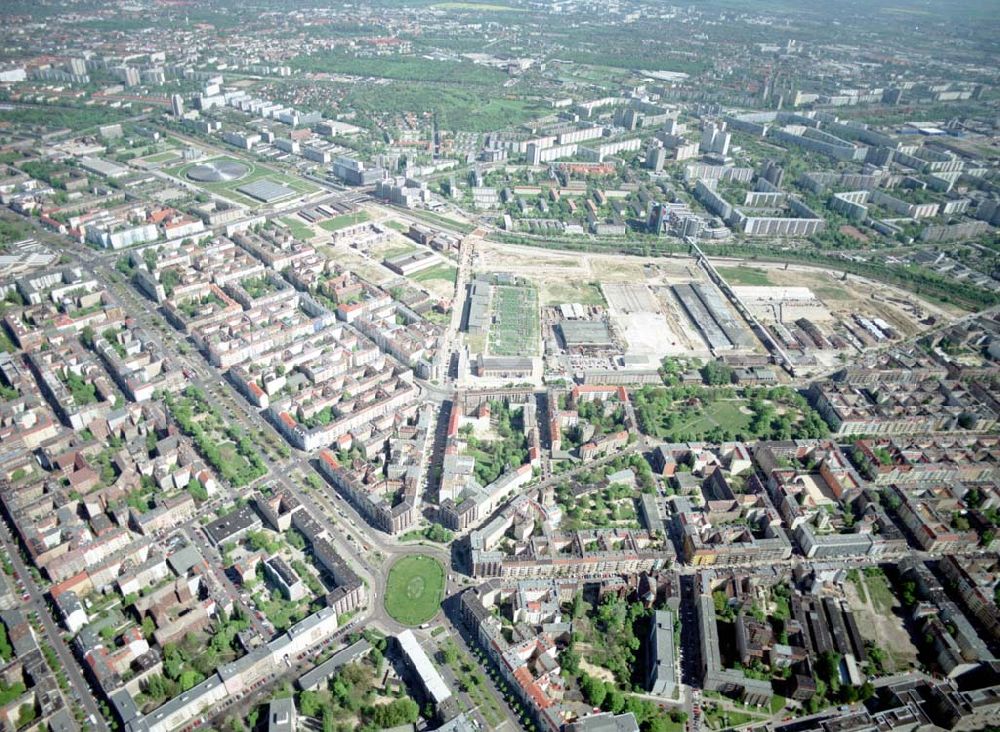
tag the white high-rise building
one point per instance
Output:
(128, 75)
(715, 139)
(177, 105)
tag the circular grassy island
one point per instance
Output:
(414, 589)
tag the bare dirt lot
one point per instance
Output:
(438, 280)
(846, 296)
(879, 622)
(627, 297)
(572, 276)
(634, 289)
(658, 327)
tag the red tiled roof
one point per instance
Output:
(327, 457)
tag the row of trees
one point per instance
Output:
(349, 700)
(829, 687)
(236, 472)
(495, 456)
(189, 662)
(605, 418)
(609, 697)
(778, 413)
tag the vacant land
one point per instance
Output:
(360, 265)
(441, 272)
(745, 276)
(881, 595)
(844, 296)
(342, 222)
(162, 157)
(298, 228)
(879, 619)
(444, 222)
(392, 251)
(414, 589)
(575, 277)
(584, 293)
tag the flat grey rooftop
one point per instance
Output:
(266, 190)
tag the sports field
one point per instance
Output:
(414, 589)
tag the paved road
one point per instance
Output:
(81, 694)
(468, 645)
(239, 705)
(452, 344)
(357, 542)
(214, 560)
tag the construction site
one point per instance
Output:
(618, 317)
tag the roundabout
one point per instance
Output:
(414, 589)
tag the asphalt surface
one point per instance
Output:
(369, 552)
(80, 693)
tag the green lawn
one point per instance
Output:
(475, 342)
(342, 222)
(717, 414)
(726, 718)
(231, 455)
(880, 593)
(441, 272)
(160, 157)
(415, 535)
(585, 293)
(280, 612)
(6, 344)
(428, 534)
(744, 276)
(397, 225)
(398, 251)
(414, 589)
(299, 230)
